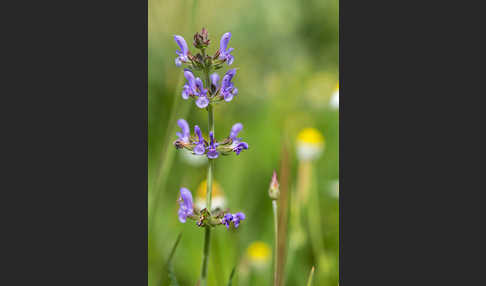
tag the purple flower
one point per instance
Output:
(214, 81)
(224, 52)
(194, 87)
(185, 205)
(227, 88)
(237, 217)
(199, 149)
(186, 133)
(190, 87)
(200, 88)
(203, 100)
(238, 148)
(182, 53)
(237, 127)
(226, 220)
(212, 153)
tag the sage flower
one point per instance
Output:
(237, 146)
(182, 53)
(194, 87)
(200, 148)
(214, 82)
(224, 52)
(186, 133)
(235, 129)
(185, 205)
(235, 218)
(240, 147)
(227, 87)
(212, 153)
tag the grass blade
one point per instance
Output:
(170, 266)
(311, 275)
(231, 276)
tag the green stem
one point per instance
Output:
(275, 221)
(204, 271)
(207, 234)
(311, 275)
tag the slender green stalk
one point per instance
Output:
(207, 234)
(204, 270)
(311, 275)
(275, 221)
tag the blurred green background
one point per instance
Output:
(286, 53)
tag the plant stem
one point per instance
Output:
(275, 264)
(207, 234)
(311, 275)
(204, 271)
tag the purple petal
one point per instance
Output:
(228, 97)
(231, 73)
(240, 147)
(186, 91)
(190, 79)
(197, 130)
(199, 149)
(235, 91)
(230, 59)
(213, 154)
(185, 130)
(237, 127)
(182, 216)
(240, 216)
(199, 85)
(186, 197)
(185, 205)
(215, 79)
(202, 102)
(178, 62)
(182, 44)
(224, 42)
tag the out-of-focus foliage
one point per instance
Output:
(286, 53)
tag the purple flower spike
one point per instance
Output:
(215, 80)
(226, 220)
(212, 153)
(186, 133)
(199, 149)
(227, 87)
(237, 217)
(224, 52)
(185, 205)
(240, 147)
(182, 53)
(234, 132)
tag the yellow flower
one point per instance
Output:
(258, 254)
(310, 144)
(217, 196)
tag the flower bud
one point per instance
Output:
(201, 40)
(274, 191)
